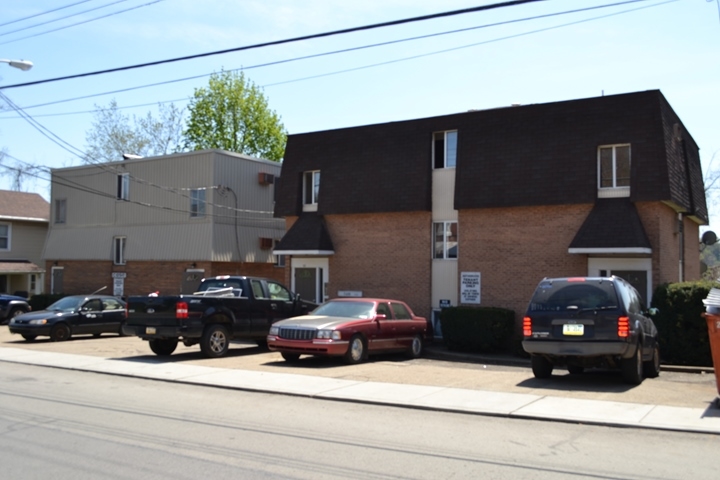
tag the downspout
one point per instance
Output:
(688, 179)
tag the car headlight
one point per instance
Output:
(274, 331)
(37, 322)
(328, 334)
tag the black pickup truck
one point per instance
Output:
(224, 308)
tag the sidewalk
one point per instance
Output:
(439, 398)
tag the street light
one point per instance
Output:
(23, 65)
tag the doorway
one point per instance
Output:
(309, 278)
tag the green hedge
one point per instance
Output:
(477, 329)
(43, 300)
(682, 329)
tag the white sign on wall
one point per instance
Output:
(118, 286)
(470, 287)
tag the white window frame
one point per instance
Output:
(446, 233)
(60, 210)
(198, 205)
(119, 244)
(449, 152)
(123, 186)
(9, 237)
(613, 190)
(311, 190)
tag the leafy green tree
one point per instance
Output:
(232, 114)
(112, 134)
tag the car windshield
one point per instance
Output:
(560, 295)
(346, 309)
(67, 304)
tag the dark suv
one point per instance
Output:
(585, 322)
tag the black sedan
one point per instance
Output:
(73, 315)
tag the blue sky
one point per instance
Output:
(673, 46)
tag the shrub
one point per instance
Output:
(682, 329)
(43, 300)
(477, 329)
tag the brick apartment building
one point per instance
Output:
(475, 208)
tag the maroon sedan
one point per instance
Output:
(352, 328)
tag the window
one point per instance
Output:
(279, 259)
(197, 202)
(445, 149)
(5, 231)
(445, 240)
(383, 309)
(123, 186)
(311, 189)
(257, 288)
(278, 292)
(401, 313)
(614, 166)
(119, 250)
(60, 210)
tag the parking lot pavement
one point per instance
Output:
(671, 389)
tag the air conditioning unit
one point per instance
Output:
(266, 178)
(266, 243)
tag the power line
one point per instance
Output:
(289, 40)
(80, 23)
(43, 13)
(167, 82)
(61, 18)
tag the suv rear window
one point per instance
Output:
(560, 295)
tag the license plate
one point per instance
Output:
(573, 329)
(151, 330)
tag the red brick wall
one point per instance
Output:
(514, 248)
(383, 255)
(80, 277)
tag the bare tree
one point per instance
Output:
(112, 134)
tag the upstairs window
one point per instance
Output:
(445, 149)
(311, 189)
(614, 169)
(197, 203)
(60, 210)
(445, 240)
(119, 250)
(123, 186)
(5, 230)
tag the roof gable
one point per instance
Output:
(23, 205)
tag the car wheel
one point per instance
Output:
(163, 347)
(60, 332)
(416, 347)
(215, 341)
(290, 357)
(356, 350)
(651, 368)
(632, 368)
(29, 337)
(575, 369)
(541, 366)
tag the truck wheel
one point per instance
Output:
(651, 368)
(632, 368)
(215, 341)
(163, 347)
(541, 366)
(356, 350)
(13, 313)
(60, 332)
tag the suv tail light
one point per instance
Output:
(181, 310)
(623, 327)
(527, 326)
